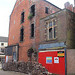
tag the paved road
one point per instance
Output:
(10, 73)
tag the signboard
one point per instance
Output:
(56, 59)
(49, 60)
(52, 62)
(60, 54)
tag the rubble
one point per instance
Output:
(30, 68)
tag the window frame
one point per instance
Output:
(32, 34)
(54, 34)
(46, 10)
(2, 44)
(22, 17)
(22, 34)
(31, 11)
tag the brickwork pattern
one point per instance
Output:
(15, 25)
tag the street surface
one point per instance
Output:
(10, 73)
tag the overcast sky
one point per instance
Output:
(6, 7)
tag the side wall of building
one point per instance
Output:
(70, 42)
(61, 27)
(65, 28)
(70, 61)
(15, 25)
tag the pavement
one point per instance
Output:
(11, 73)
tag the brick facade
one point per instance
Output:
(64, 28)
(15, 24)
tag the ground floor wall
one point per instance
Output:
(23, 52)
(71, 61)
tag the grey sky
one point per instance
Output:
(6, 7)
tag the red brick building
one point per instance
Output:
(24, 25)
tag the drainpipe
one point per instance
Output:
(65, 62)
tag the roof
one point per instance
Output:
(51, 15)
(3, 39)
(53, 45)
(43, 0)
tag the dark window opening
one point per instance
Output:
(32, 30)
(33, 10)
(14, 56)
(50, 33)
(46, 10)
(54, 32)
(22, 34)
(2, 44)
(0, 59)
(54, 23)
(2, 50)
(22, 17)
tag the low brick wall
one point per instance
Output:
(71, 61)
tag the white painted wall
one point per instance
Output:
(5, 44)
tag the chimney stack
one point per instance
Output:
(69, 6)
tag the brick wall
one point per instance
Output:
(15, 24)
(64, 29)
(60, 28)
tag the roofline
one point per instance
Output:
(13, 8)
(4, 36)
(57, 12)
(12, 45)
(43, 0)
(52, 4)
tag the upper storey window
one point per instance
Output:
(22, 17)
(33, 10)
(51, 29)
(46, 10)
(32, 30)
(21, 34)
(2, 44)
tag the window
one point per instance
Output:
(14, 56)
(33, 10)
(21, 34)
(22, 17)
(50, 33)
(51, 29)
(32, 30)
(2, 44)
(46, 10)
(2, 50)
